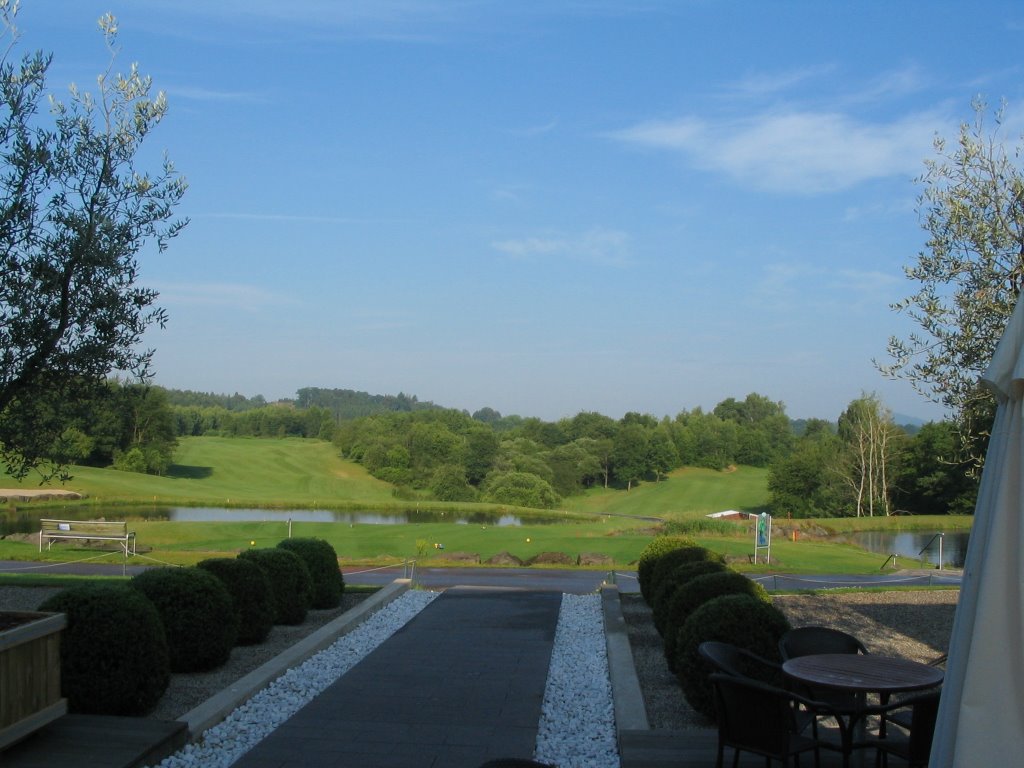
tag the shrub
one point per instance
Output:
(322, 562)
(290, 582)
(650, 555)
(114, 658)
(197, 612)
(665, 586)
(671, 560)
(698, 591)
(251, 596)
(742, 620)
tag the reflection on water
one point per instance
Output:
(22, 521)
(910, 544)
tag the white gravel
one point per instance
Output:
(223, 744)
(577, 727)
(577, 724)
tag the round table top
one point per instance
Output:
(864, 673)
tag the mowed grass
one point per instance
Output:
(288, 472)
(296, 473)
(686, 493)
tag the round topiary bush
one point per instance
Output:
(290, 582)
(197, 612)
(698, 591)
(114, 658)
(666, 585)
(742, 620)
(251, 596)
(322, 562)
(650, 555)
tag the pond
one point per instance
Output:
(910, 544)
(28, 522)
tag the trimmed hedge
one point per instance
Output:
(649, 557)
(197, 612)
(114, 658)
(251, 596)
(742, 620)
(698, 591)
(322, 562)
(290, 582)
(665, 586)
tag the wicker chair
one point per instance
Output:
(805, 641)
(760, 718)
(913, 746)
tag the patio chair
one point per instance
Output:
(760, 718)
(914, 745)
(805, 641)
(739, 662)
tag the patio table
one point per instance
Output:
(862, 674)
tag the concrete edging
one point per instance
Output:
(216, 708)
(627, 696)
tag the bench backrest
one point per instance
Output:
(81, 527)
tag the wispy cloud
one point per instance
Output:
(802, 152)
(234, 295)
(771, 83)
(207, 94)
(607, 247)
(293, 218)
(535, 130)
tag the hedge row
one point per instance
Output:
(124, 640)
(694, 597)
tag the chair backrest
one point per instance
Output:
(752, 715)
(739, 662)
(807, 641)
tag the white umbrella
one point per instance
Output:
(981, 713)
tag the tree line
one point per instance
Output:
(861, 464)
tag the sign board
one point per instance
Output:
(763, 536)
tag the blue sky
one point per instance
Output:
(545, 207)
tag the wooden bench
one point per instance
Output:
(84, 530)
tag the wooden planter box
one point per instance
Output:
(29, 673)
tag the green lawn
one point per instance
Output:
(687, 493)
(289, 472)
(295, 473)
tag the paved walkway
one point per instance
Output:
(460, 684)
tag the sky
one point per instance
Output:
(545, 207)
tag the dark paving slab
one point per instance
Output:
(97, 741)
(460, 684)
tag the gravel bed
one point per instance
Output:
(577, 724)
(914, 624)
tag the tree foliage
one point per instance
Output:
(75, 210)
(969, 274)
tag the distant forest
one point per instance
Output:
(860, 464)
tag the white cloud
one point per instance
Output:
(596, 246)
(770, 83)
(801, 152)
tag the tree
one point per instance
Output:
(869, 436)
(522, 489)
(969, 275)
(75, 210)
(629, 454)
(930, 482)
(803, 484)
(662, 455)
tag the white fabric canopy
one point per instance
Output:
(981, 713)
